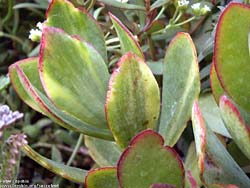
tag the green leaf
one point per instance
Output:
(77, 83)
(211, 114)
(181, 86)
(155, 26)
(235, 125)
(231, 55)
(215, 163)
(237, 154)
(29, 93)
(191, 168)
(199, 129)
(127, 40)
(133, 99)
(161, 185)
(223, 186)
(156, 67)
(104, 153)
(216, 87)
(159, 3)
(29, 67)
(123, 5)
(218, 91)
(146, 161)
(76, 21)
(102, 178)
(56, 154)
(67, 172)
(4, 82)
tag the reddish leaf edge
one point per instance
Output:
(46, 110)
(13, 66)
(116, 71)
(137, 138)
(225, 101)
(113, 17)
(216, 41)
(191, 180)
(43, 44)
(30, 88)
(80, 9)
(93, 171)
(198, 115)
(188, 37)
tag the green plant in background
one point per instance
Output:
(129, 129)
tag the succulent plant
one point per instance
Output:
(131, 125)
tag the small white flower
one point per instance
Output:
(196, 6)
(35, 35)
(200, 11)
(183, 3)
(122, 1)
(206, 8)
(39, 25)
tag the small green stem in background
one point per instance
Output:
(186, 21)
(108, 33)
(9, 13)
(78, 144)
(160, 13)
(73, 155)
(91, 5)
(175, 13)
(13, 37)
(175, 20)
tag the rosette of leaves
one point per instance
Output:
(119, 114)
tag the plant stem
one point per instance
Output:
(160, 13)
(178, 17)
(9, 13)
(2, 34)
(78, 144)
(186, 21)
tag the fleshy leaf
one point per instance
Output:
(216, 87)
(191, 168)
(102, 178)
(76, 83)
(181, 86)
(231, 55)
(218, 91)
(199, 130)
(29, 67)
(223, 186)
(161, 185)
(146, 161)
(133, 99)
(104, 153)
(235, 125)
(191, 180)
(31, 95)
(67, 172)
(127, 40)
(217, 166)
(123, 5)
(76, 21)
(211, 114)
